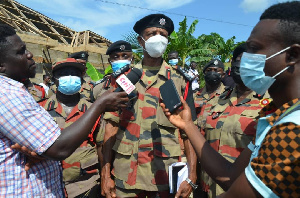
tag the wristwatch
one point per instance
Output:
(194, 186)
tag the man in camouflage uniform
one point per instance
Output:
(119, 52)
(87, 87)
(231, 124)
(80, 170)
(144, 142)
(206, 98)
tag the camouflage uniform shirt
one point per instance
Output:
(146, 142)
(204, 102)
(229, 128)
(79, 169)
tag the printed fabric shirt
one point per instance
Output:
(80, 170)
(277, 163)
(229, 128)
(146, 142)
(23, 121)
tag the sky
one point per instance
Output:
(114, 19)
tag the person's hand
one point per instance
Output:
(181, 117)
(114, 101)
(184, 190)
(108, 188)
(32, 157)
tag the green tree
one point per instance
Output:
(182, 41)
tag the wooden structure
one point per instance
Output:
(49, 40)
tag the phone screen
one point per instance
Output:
(170, 95)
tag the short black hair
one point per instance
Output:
(173, 52)
(289, 15)
(5, 31)
(238, 50)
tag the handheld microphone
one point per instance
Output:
(121, 71)
(126, 83)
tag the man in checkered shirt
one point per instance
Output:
(24, 122)
(269, 167)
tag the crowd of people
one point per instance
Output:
(238, 135)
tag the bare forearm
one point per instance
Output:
(109, 141)
(217, 167)
(191, 159)
(72, 136)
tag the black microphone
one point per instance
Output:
(126, 83)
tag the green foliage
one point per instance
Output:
(108, 70)
(182, 41)
(93, 73)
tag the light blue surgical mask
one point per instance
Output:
(69, 85)
(252, 71)
(116, 65)
(173, 61)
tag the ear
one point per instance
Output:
(109, 61)
(141, 41)
(2, 68)
(293, 55)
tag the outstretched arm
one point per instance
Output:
(217, 167)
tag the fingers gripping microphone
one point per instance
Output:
(126, 83)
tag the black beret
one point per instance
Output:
(79, 55)
(238, 50)
(154, 20)
(119, 46)
(214, 63)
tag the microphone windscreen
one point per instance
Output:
(134, 75)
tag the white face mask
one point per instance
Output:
(156, 45)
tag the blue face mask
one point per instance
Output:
(252, 71)
(69, 85)
(173, 61)
(116, 65)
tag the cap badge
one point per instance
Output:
(162, 21)
(122, 47)
(216, 62)
(82, 55)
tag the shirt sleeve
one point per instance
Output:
(24, 122)
(277, 163)
(112, 116)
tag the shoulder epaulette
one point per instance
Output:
(183, 73)
(83, 108)
(226, 94)
(50, 105)
(120, 71)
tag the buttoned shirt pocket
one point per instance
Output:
(162, 120)
(166, 143)
(122, 147)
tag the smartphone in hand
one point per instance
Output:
(170, 96)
